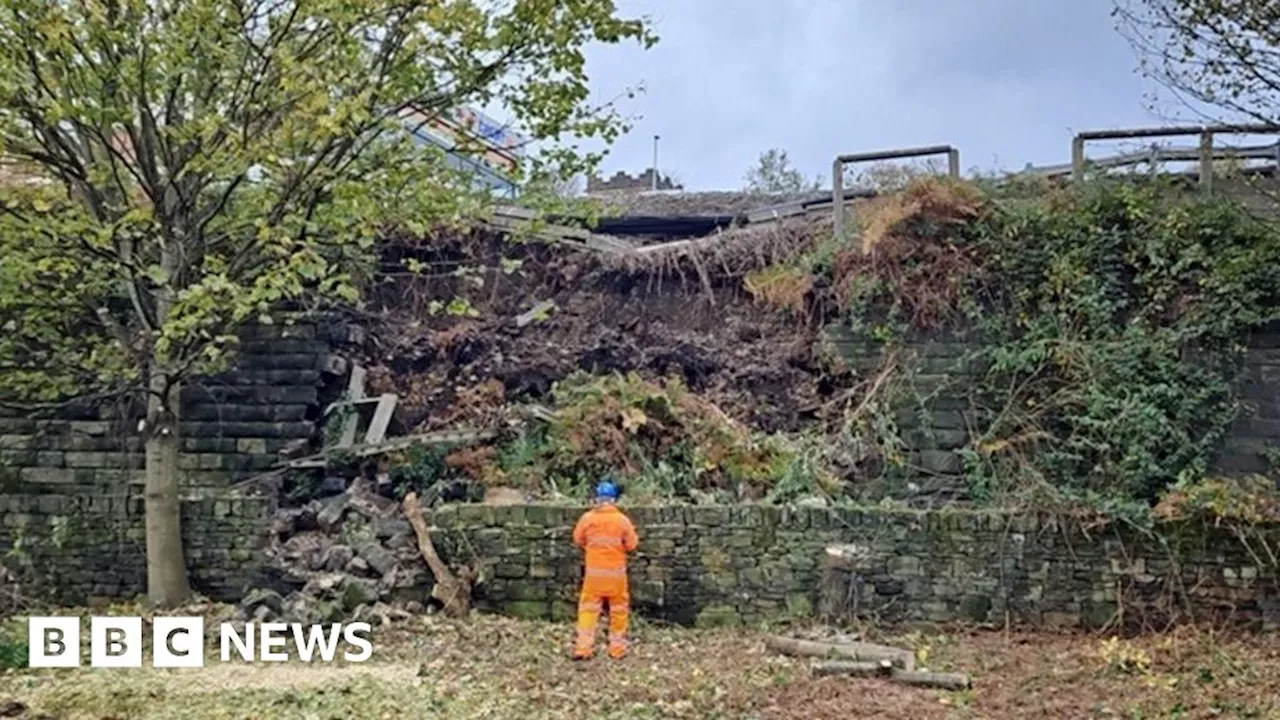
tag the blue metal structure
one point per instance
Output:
(497, 143)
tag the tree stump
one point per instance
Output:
(843, 569)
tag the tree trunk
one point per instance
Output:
(858, 651)
(453, 590)
(944, 681)
(852, 668)
(166, 563)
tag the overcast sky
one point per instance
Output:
(1006, 81)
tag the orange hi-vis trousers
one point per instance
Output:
(607, 535)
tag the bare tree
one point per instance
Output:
(890, 176)
(1220, 53)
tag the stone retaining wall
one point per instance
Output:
(935, 421)
(729, 565)
(232, 425)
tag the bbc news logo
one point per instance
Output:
(179, 642)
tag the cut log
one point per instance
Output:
(852, 668)
(452, 590)
(943, 681)
(864, 652)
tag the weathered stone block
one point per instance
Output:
(47, 476)
(941, 461)
(16, 442)
(716, 616)
(251, 445)
(512, 571)
(710, 516)
(527, 610)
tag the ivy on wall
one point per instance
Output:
(1110, 323)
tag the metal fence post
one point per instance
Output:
(1206, 161)
(1077, 159)
(837, 197)
(837, 173)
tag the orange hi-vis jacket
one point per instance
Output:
(607, 535)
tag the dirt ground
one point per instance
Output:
(500, 668)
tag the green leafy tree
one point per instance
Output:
(1219, 53)
(774, 174)
(213, 162)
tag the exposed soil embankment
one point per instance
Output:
(456, 364)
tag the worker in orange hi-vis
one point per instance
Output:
(607, 535)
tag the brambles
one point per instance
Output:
(917, 264)
(658, 437)
(1251, 500)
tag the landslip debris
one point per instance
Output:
(359, 556)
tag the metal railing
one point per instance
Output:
(1206, 154)
(837, 172)
(1156, 155)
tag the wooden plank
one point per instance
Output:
(1256, 152)
(381, 418)
(355, 393)
(532, 313)
(436, 438)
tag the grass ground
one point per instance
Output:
(499, 668)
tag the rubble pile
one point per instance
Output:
(350, 556)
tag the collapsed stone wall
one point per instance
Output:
(232, 425)
(715, 565)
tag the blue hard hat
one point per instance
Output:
(606, 489)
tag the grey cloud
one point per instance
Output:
(1006, 79)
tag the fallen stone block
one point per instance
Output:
(337, 557)
(378, 557)
(260, 598)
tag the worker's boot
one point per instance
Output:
(617, 649)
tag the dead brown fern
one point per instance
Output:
(910, 256)
(780, 287)
(931, 200)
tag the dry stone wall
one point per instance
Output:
(716, 565)
(92, 549)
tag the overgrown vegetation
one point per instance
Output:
(1108, 321)
(658, 438)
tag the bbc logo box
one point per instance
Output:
(179, 642)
